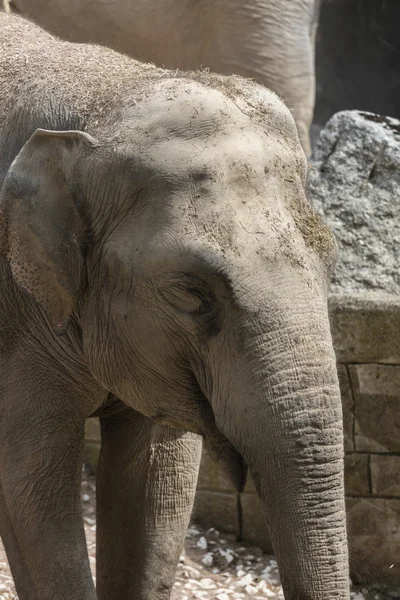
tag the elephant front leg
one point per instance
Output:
(41, 463)
(19, 568)
(146, 484)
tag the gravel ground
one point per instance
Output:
(213, 565)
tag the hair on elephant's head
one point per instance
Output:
(202, 291)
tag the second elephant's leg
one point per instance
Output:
(146, 484)
(273, 43)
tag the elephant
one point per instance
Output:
(272, 41)
(161, 268)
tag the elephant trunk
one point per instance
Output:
(287, 425)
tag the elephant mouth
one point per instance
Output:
(218, 446)
(231, 462)
(229, 459)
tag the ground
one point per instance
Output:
(213, 566)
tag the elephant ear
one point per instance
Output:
(41, 232)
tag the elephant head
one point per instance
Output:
(179, 241)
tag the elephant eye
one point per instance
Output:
(188, 296)
(187, 300)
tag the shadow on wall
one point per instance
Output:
(358, 58)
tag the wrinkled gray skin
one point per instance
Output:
(160, 265)
(272, 41)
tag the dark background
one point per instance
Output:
(358, 57)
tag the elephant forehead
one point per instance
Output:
(233, 162)
(184, 108)
(188, 117)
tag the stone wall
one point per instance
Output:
(366, 332)
(364, 328)
(354, 183)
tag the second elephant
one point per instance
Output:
(271, 41)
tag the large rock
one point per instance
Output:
(355, 183)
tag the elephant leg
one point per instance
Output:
(292, 77)
(146, 484)
(18, 565)
(41, 462)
